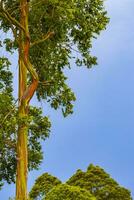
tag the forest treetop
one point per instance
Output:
(95, 181)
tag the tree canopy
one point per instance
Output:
(95, 181)
(53, 30)
(57, 28)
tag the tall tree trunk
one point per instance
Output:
(22, 152)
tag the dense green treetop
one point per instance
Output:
(100, 184)
(95, 181)
(57, 29)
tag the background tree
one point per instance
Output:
(45, 34)
(95, 181)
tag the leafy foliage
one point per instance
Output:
(56, 29)
(43, 185)
(39, 128)
(70, 24)
(48, 187)
(95, 182)
(6, 104)
(67, 192)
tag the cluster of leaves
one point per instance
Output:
(6, 104)
(67, 192)
(70, 24)
(43, 185)
(93, 184)
(39, 129)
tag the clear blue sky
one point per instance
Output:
(101, 130)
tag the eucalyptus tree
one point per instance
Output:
(44, 32)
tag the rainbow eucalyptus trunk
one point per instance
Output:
(25, 94)
(22, 155)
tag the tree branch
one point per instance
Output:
(28, 94)
(48, 35)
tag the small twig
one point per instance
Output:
(73, 48)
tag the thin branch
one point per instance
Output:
(46, 83)
(73, 48)
(48, 35)
(11, 19)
